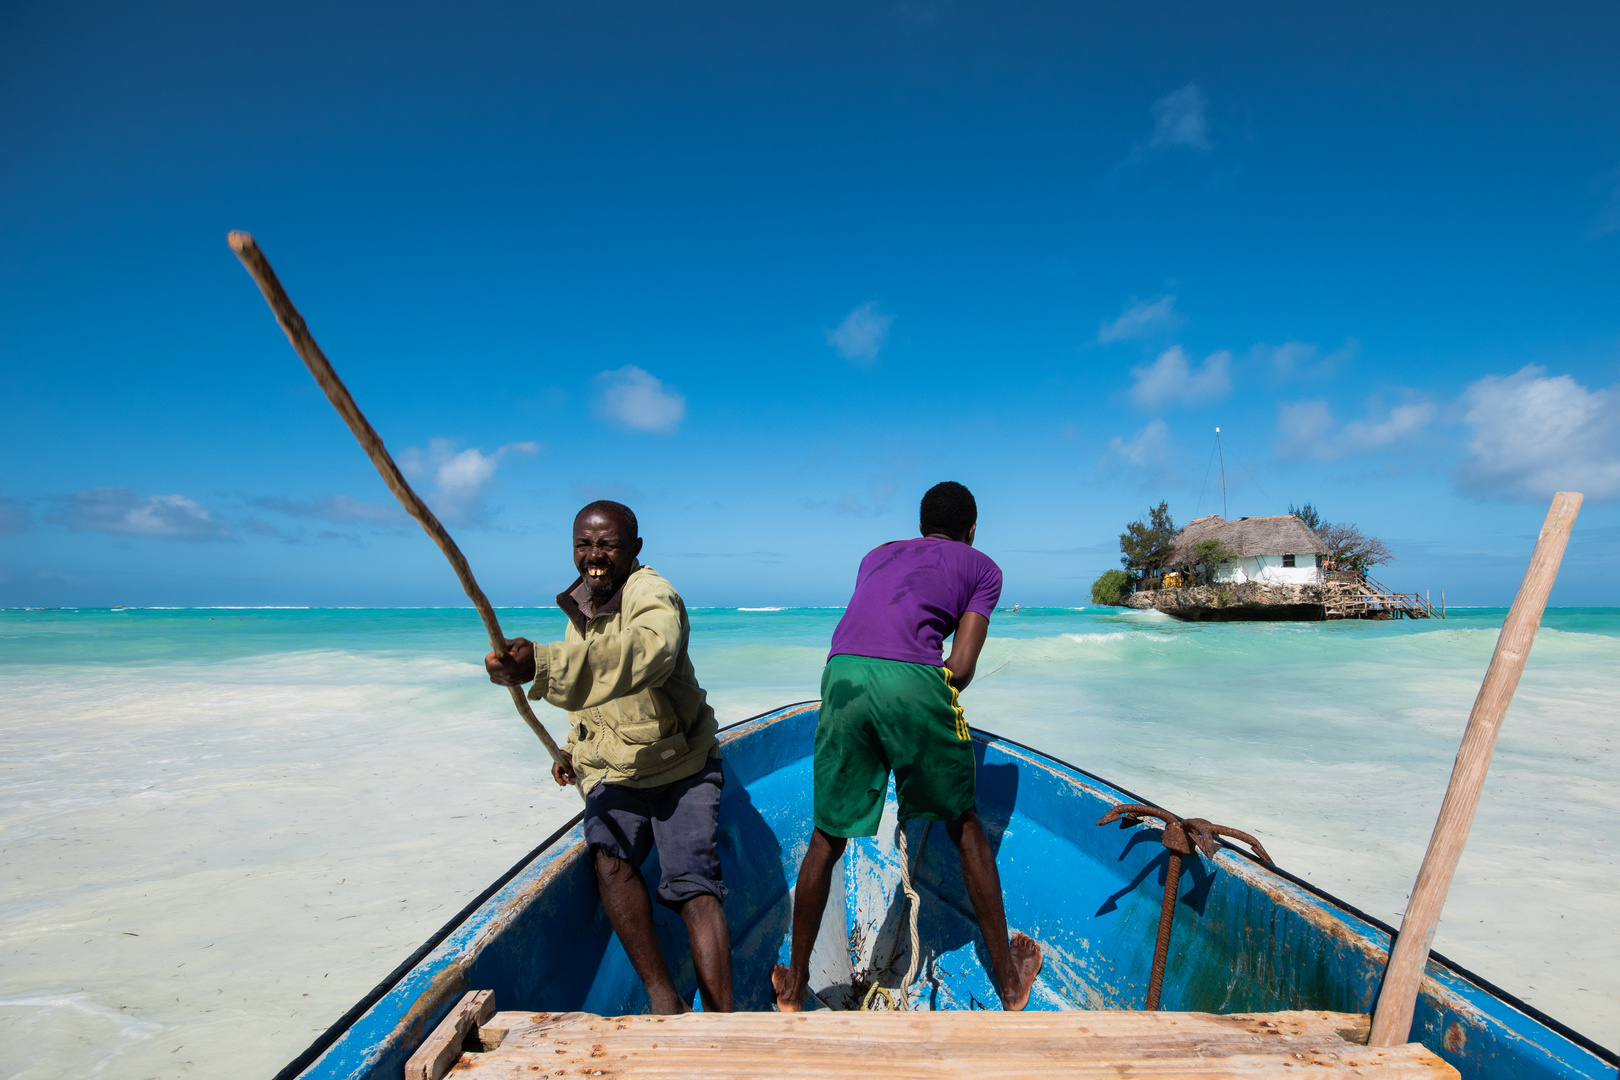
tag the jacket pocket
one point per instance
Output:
(643, 734)
(642, 719)
(661, 754)
(636, 759)
(587, 747)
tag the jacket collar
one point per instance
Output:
(577, 604)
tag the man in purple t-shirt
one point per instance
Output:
(887, 702)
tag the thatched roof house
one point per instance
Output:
(1273, 550)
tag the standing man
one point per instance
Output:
(887, 702)
(642, 742)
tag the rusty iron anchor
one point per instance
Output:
(1179, 837)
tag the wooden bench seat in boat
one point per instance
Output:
(930, 1046)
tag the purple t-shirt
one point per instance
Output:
(909, 596)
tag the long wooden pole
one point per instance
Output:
(303, 343)
(1392, 1022)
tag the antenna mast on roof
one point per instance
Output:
(1222, 454)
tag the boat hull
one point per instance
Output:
(1246, 938)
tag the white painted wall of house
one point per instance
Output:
(1269, 570)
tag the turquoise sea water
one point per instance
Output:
(218, 828)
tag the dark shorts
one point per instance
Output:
(682, 818)
(878, 715)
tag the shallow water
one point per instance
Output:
(219, 828)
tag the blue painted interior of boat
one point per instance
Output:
(1245, 938)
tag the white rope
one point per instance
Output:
(913, 901)
(901, 998)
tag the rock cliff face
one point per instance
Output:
(1231, 603)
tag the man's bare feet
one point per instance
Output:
(790, 989)
(1026, 960)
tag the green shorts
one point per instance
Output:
(878, 715)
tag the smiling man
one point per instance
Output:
(642, 743)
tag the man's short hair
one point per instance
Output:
(948, 508)
(626, 516)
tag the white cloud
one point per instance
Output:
(1290, 356)
(1403, 422)
(1307, 429)
(1535, 434)
(1151, 451)
(340, 510)
(1171, 380)
(860, 337)
(1142, 319)
(124, 511)
(1303, 359)
(1181, 118)
(1288, 359)
(461, 478)
(638, 400)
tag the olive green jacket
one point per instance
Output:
(637, 714)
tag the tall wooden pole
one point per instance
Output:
(303, 343)
(1392, 1021)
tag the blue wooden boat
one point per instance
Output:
(1247, 936)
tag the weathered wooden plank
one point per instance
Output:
(940, 1046)
(435, 1056)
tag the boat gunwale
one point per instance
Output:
(339, 1027)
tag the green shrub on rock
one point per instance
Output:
(1111, 589)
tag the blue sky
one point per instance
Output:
(768, 271)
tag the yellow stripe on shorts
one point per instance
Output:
(962, 734)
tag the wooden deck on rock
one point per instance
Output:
(934, 1046)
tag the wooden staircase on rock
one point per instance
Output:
(1346, 595)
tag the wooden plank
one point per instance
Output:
(434, 1057)
(940, 1046)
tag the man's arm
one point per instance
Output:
(576, 675)
(580, 674)
(965, 646)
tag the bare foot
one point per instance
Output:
(790, 990)
(1026, 961)
(668, 1003)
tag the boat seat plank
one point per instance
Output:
(938, 1046)
(435, 1056)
